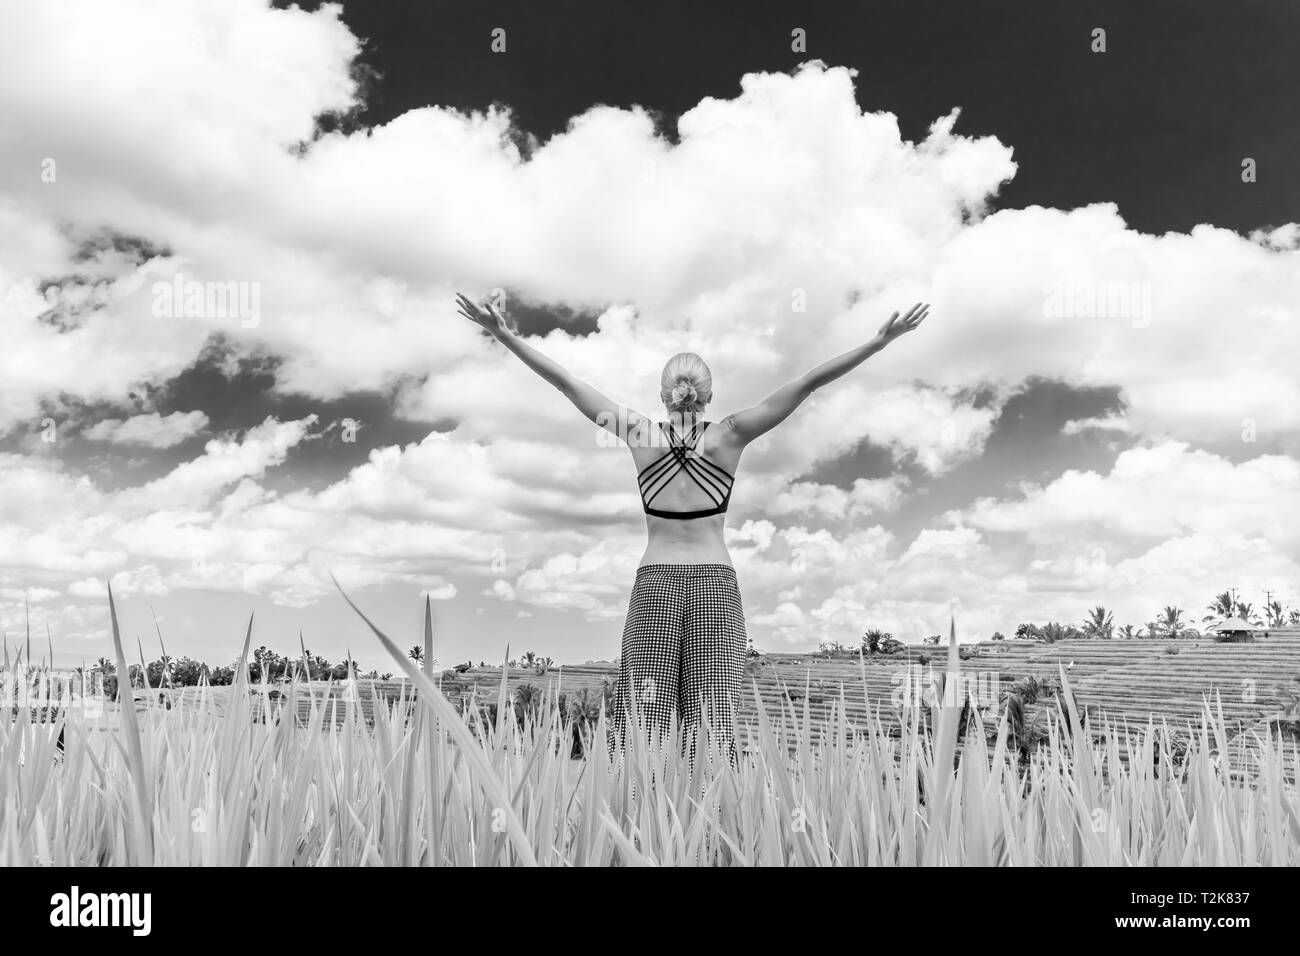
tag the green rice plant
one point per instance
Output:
(1033, 688)
(336, 773)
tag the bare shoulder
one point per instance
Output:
(640, 429)
(728, 430)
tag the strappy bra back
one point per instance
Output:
(713, 480)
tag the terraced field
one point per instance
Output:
(1123, 681)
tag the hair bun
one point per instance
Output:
(686, 384)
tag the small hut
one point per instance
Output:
(1233, 629)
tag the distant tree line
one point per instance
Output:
(263, 664)
(1100, 625)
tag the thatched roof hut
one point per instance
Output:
(1233, 625)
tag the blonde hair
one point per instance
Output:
(687, 383)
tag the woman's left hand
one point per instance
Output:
(894, 326)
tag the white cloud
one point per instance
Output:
(501, 589)
(1103, 423)
(29, 594)
(152, 430)
(867, 496)
(1161, 491)
(142, 580)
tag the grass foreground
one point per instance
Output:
(305, 780)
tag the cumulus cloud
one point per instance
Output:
(1156, 492)
(151, 430)
(142, 580)
(1102, 423)
(866, 497)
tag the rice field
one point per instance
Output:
(245, 778)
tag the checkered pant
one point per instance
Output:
(684, 646)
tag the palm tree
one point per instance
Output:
(1051, 632)
(1294, 619)
(416, 653)
(1171, 621)
(1247, 613)
(1099, 624)
(1128, 632)
(105, 665)
(1276, 616)
(1222, 607)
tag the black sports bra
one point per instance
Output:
(715, 481)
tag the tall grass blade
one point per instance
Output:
(131, 731)
(428, 636)
(488, 777)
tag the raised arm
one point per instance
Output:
(777, 407)
(604, 411)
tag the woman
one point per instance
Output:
(684, 641)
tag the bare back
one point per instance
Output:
(693, 540)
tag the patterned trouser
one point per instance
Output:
(684, 646)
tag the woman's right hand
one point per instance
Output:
(486, 315)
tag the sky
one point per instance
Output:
(231, 234)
